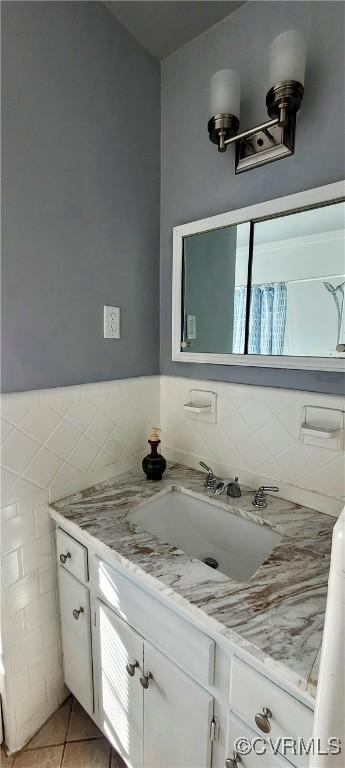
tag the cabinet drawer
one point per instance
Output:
(251, 692)
(178, 639)
(76, 637)
(255, 759)
(72, 555)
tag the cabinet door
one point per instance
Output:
(119, 690)
(76, 637)
(177, 716)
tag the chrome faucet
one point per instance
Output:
(211, 480)
(231, 487)
(218, 487)
(259, 499)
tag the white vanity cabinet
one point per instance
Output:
(161, 689)
(177, 716)
(120, 697)
(270, 712)
(72, 555)
(153, 712)
(74, 602)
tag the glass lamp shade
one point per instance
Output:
(225, 93)
(287, 58)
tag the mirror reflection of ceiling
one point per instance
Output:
(327, 219)
(163, 26)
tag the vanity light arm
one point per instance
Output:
(252, 131)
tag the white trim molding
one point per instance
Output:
(270, 208)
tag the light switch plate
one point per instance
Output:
(111, 322)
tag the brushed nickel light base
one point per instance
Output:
(269, 141)
(266, 146)
(284, 99)
(222, 127)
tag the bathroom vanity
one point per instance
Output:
(175, 660)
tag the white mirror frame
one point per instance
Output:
(281, 205)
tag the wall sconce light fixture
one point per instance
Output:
(275, 138)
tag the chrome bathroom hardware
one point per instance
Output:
(259, 499)
(234, 489)
(219, 489)
(76, 612)
(232, 762)
(64, 558)
(145, 679)
(211, 480)
(231, 487)
(130, 668)
(262, 720)
(337, 293)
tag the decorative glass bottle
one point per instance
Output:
(154, 464)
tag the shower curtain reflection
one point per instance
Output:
(267, 319)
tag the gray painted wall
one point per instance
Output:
(81, 196)
(198, 182)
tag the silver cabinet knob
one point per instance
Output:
(130, 668)
(145, 679)
(232, 762)
(64, 558)
(77, 611)
(262, 720)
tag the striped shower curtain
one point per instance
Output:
(267, 319)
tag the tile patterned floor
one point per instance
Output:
(70, 739)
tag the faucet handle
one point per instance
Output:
(259, 499)
(211, 479)
(208, 469)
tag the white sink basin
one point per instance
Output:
(204, 530)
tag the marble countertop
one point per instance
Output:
(277, 615)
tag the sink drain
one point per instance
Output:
(210, 561)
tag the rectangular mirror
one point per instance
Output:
(264, 285)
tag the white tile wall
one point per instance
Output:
(53, 442)
(56, 442)
(50, 437)
(256, 437)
